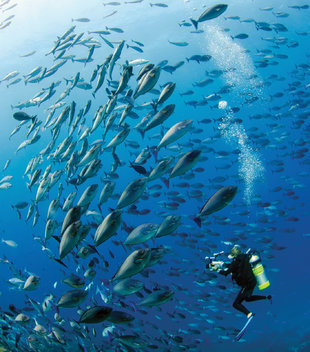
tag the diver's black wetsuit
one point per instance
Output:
(242, 273)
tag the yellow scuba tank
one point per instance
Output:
(258, 271)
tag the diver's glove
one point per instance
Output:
(213, 267)
(216, 266)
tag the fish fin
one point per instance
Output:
(197, 220)
(165, 181)
(195, 23)
(55, 308)
(142, 132)
(60, 262)
(95, 249)
(110, 336)
(154, 105)
(57, 238)
(154, 153)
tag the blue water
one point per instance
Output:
(262, 149)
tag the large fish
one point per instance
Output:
(72, 299)
(142, 233)
(74, 281)
(72, 215)
(133, 264)
(175, 132)
(116, 56)
(168, 225)
(70, 238)
(160, 117)
(50, 228)
(160, 169)
(185, 163)
(218, 201)
(132, 341)
(69, 201)
(108, 227)
(210, 13)
(118, 139)
(118, 317)
(165, 94)
(132, 192)
(128, 286)
(156, 255)
(87, 197)
(95, 315)
(126, 74)
(106, 192)
(52, 209)
(147, 82)
(22, 116)
(156, 298)
(32, 283)
(91, 155)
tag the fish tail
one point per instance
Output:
(55, 308)
(165, 181)
(197, 220)
(154, 105)
(195, 23)
(142, 132)
(110, 336)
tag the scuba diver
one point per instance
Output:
(247, 271)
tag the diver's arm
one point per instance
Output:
(228, 268)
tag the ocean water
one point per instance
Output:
(250, 123)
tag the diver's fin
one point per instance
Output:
(243, 330)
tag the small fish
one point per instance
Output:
(28, 54)
(111, 3)
(158, 4)
(114, 29)
(10, 243)
(110, 14)
(82, 19)
(210, 13)
(6, 179)
(178, 43)
(5, 185)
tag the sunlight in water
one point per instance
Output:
(239, 72)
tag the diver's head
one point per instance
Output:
(235, 251)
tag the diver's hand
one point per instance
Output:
(213, 267)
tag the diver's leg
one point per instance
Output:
(237, 303)
(255, 298)
(248, 297)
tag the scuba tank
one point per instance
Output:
(258, 270)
